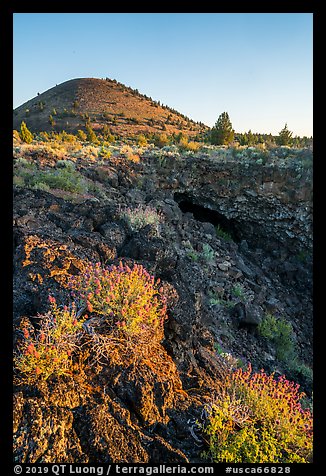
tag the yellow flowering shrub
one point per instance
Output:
(259, 419)
(49, 350)
(128, 298)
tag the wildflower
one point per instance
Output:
(122, 291)
(52, 300)
(30, 348)
(74, 322)
(37, 371)
(26, 333)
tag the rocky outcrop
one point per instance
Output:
(138, 408)
(268, 204)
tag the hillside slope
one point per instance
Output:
(68, 106)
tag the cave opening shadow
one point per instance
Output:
(204, 214)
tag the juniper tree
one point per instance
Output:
(106, 132)
(222, 133)
(81, 135)
(285, 136)
(91, 136)
(51, 120)
(25, 133)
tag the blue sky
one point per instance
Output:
(256, 66)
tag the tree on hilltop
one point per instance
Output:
(285, 136)
(25, 133)
(222, 133)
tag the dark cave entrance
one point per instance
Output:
(204, 214)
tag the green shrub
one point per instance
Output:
(51, 120)
(217, 301)
(280, 333)
(141, 216)
(104, 153)
(141, 140)
(81, 135)
(193, 255)
(24, 172)
(25, 133)
(222, 234)
(44, 136)
(208, 253)
(110, 138)
(185, 144)
(161, 140)
(18, 181)
(106, 134)
(237, 291)
(66, 164)
(24, 163)
(126, 150)
(65, 137)
(41, 186)
(91, 136)
(193, 146)
(301, 371)
(63, 179)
